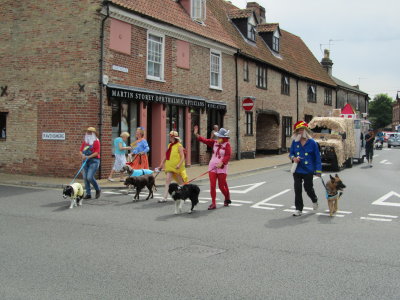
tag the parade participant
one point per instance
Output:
(213, 132)
(304, 152)
(174, 161)
(218, 166)
(120, 150)
(90, 152)
(140, 150)
(369, 146)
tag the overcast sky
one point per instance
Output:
(364, 34)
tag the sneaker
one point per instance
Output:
(98, 194)
(110, 179)
(162, 201)
(315, 205)
(297, 213)
(87, 197)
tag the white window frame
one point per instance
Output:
(275, 41)
(219, 54)
(198, 10)
(151, 77)
(251, 29)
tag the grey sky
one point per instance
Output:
(365, 33)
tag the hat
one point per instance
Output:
(124, 133)
(175, 134)
(91, 129)
(222, 133)
(300, 125)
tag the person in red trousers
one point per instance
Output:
(218, 166)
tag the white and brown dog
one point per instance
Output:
(75, 193)
(334, 188)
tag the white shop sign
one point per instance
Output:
(119, 68)
(59, 136)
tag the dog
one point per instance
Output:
(133, 172)
(139, 182)
(334, 188)
(75, 193)
(181, 193)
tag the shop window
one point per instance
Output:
(215, 69)
(3, 125)
(155, 57)
(124, 118)
(249, 123)
(214, 117)
(175, 121)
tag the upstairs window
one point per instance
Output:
(285, 85)
(246, 70)
(328, 97)
(155, 57)
(3, 125)
(275, 44)
(261, 77)
(251, 29)
(312, 93)
(198, 11)
(215, 69)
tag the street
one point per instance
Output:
(113, 248)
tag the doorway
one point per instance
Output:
(194, 143)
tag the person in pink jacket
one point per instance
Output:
(218, 166)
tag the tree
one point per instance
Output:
(380, 111)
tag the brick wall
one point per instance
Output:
(51, 47)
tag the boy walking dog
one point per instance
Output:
(304, 152)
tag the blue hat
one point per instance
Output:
(222, 133)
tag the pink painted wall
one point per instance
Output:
(182, 54)
(120, 36)
(158, 123)
(188, 135)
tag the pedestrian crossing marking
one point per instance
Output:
(251, 186)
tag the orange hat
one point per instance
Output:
(300, 125)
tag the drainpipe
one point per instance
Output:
(238, 156)
(101, 109)
(297, 100)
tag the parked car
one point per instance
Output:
(394, 141)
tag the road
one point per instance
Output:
(113, 248)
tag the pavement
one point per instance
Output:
(236, 167)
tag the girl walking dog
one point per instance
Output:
(218, 166)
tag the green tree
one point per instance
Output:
(380, 111)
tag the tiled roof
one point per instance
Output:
(343, 84)
(269, 27)
(173, 13)
(240, 13)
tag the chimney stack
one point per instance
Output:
(258, 10)
(327, 63)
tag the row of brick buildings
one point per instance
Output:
(161, 64)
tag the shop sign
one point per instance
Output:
(217, 106)
(58, 136)
(157, 98)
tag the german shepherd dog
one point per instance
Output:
(334, 188)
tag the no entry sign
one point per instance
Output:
(248, 104)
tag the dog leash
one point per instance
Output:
(196, 178)
(80, 170)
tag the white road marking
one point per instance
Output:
(264, 202)
(264, 207)
(232, 204)
(376, 219)
(252, 187)
(113, 193)
(341, 211)
(305, 207)
(383, 216)
(273, 204)
(293, 210)
(383, 161)
(381, 200)
(324, 214)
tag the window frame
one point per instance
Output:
(3, 115)
(249, 123)
(312, 95)
(287, 123)
(275, 43)
(246, 71)
(261, 77)
(216, 53)
(194, 10)
(328, 96)
(251, 29)
(152, 77)
(285, 87)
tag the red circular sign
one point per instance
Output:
(248, 104)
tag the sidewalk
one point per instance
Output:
(236, 167)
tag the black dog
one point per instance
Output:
(139, 182)
(181, 193)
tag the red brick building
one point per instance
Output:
(159, 64)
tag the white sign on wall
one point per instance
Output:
(59, 136)
(119, 68)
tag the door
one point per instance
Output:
(195, 148)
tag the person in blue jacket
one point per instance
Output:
(304, 152)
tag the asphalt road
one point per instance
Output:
(112, 248)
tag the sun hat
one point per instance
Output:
(301, 125)
(222, 133)
(175, 134)
(91, 129)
